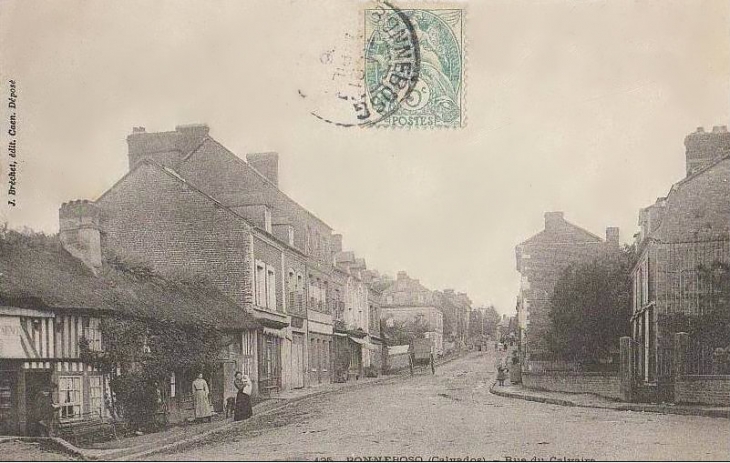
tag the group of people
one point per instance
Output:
(201, 398)
(43, 414)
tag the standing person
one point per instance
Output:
(501, 375)
(243, 409)
(44, 413)
(201, 399)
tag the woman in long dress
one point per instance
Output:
(201, 399)
(243, 398)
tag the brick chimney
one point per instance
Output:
(266, 164)
(554, 220)
(702, 148)
(80, 233)
(166, 148)
(612, 236)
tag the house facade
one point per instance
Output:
(406, 300)
(57, 292)
(190, 205)
(683, 237)
(540, 261)
(41, 348)
(456, 309)
(354, 319)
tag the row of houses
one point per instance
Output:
(299, 309)
(682, 236)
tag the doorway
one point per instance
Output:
(35, 382)
(221, 384)
(297, 361)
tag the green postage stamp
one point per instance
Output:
(414, 67)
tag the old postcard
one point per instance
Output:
(364, 230)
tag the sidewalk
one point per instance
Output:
(138, 447)
(516, 391)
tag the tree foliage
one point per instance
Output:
(590, 308)
(146, 353)
(401, 332)
(484, 323)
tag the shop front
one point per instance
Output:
(320, 353)
(39, 351)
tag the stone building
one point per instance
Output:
(456, 309)
(406, 300)
(354, 317)
(681, 234)
(190, 205)
(375, 336)
(540, 260)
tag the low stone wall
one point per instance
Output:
(602, 384)
(703, 389)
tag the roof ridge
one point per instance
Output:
(262, 176)
(680, 184)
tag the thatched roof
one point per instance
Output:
(36, 272)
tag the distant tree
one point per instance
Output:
(491, 322)
(590, 308)
(476, 320)
(513, 327)
(401, 332)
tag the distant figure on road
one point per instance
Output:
(201, 399)
(501, 374)
(243, 398)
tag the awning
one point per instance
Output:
(362, 342)
(272, 324)
(273, 332)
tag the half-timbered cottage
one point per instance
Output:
(50, 301)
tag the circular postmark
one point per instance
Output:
(384, 76)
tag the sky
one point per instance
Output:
(574, 106)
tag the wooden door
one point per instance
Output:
(298, 361)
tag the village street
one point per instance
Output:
(453, 415)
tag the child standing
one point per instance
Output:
(501, 375)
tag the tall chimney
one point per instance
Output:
(612, 236)
(554, 220)
(166, 148)
(79, 232)
(266, 164)
(702, 148)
